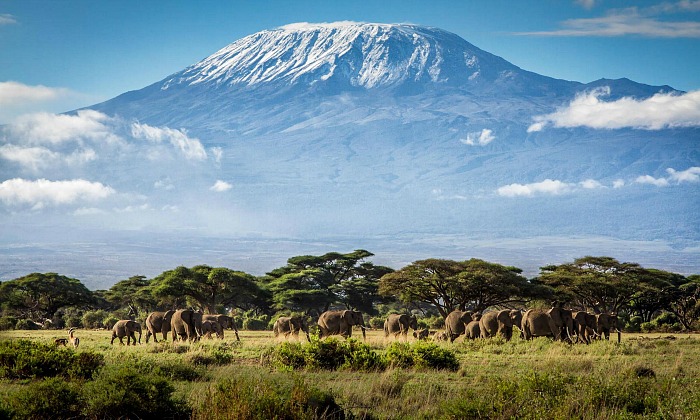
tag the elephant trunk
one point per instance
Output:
(364, 335)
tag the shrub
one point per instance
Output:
(50, 398)
(7, 323)
(29, 359)
(328, 354)
(120, 391)
(421, 355)
(255, 324)
(362, 358)
(376, 322)
(26, 324)
(109, 321)
(247, 398)
(94, 319)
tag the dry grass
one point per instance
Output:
(600, 380)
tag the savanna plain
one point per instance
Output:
(643, 376)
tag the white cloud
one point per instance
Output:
(618, 183)
(42, 192)
(37, 157)
(548, 186)
(663, 110)
(7, 19)
(631, 21)
(221, 186)
(191, 148)
(689, 175)
(217, 153)
(648, 179)
(164, 184)
(479, 138)
(13, 92)
(591, 184)
(46, 128)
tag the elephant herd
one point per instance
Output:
(557, 323)
(184, 324)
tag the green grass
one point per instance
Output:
(645, 376)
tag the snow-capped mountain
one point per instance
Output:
(406, 139)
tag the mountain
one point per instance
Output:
(403, 139)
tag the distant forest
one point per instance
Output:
(645, 299)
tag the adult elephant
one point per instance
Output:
(608, 322)
(212, 326)
(539, 323)
(286, 325)
(496, 322)
(399, 324)
(186, 324)
(564, 320)
(340, 323)
(456, 322)
(158, 322)
(585, 325)
(225, 321)
(126, 328)
(516, 315)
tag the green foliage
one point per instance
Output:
(7, 323)
(328, 354)
(252, 322)
(39, 295)
(30, 359)
(252, 398)
(26, 324)
(423, 355)
(94, 319)
(122, 391)
(49, 399)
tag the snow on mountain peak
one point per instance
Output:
(363, 55)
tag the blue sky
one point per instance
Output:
(65, 54)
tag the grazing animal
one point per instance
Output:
(421, 334)
(74, 341)
(61, 341)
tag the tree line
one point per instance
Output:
(311, 284)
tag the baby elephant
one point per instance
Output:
(126, 328)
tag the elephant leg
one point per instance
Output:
(113, 337)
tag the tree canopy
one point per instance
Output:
(473, 284)
(39, 295)
(311, 284)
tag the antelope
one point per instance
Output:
(73, 340)
(60, 341)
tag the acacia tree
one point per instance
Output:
(40, 295)
(133, 293)
(474, 284)
(602, 284)
(311, 284)
(657, 290)
(686, 306)
(211, 288)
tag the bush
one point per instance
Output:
(109, 321)
(421, 355)
(49, 399)
(376, 322)
(120, 391)
(256, 324)
(328, 354)
(94, 319)
(26, 324)
(29, 359)
(7, 323)
(252, 398)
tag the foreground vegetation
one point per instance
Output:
(646, 376)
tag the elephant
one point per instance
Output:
(473, 330)
(564, 320)
(539, 323)
(516, 315)
(493, 323)
(340, 323)
(186, 324)
(287, 325)
(158, 322)
(225, 321)
(421, 334)
(126, 328)
(608, 322)
(399, 324)
(209, 326)
(440, 336)
(585, 325)
(456, 322)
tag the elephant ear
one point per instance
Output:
(348, 316)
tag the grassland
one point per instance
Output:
(645, 376)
